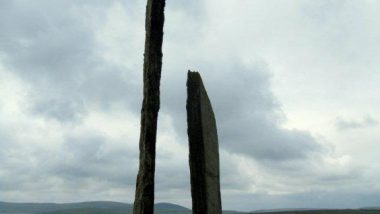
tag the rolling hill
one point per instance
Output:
(109, 207)
(95, 207)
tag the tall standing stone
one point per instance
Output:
(204, 149)
(154, 23)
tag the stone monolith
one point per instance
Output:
(154, 23)
(204, 149)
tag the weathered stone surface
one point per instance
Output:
(154, 22)
(204, 149)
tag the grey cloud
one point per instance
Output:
(232, 178)
(194, 9)
(52, 48)
(172, 175)
(308, 199)
(115, 85)
(21, 169)
(82, 158)
(70, 101)
(42, 42)
(322, 11)
(54, 51)
(248, 116)
(344, 124)
(5, 141)
(41, 185)
(62, 110)
(89, 156)
(336, 199)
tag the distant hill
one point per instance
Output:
(89, 211)
(108, 207)
(37, 208)
(95, 207)
(370, 208)
(305, 211)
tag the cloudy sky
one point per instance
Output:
(294, 85)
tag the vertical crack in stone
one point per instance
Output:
(154, 22)
(204, 149)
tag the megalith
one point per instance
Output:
(154, 23)
(203, 147)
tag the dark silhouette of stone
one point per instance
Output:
(204, 149)
(154, 23)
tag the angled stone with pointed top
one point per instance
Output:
(204, 148)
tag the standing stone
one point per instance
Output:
(204, 149)
(154, 23)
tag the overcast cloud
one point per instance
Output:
(291, 85)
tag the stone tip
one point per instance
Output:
(193, 76)
(193, 73)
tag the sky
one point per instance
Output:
(294, 87)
